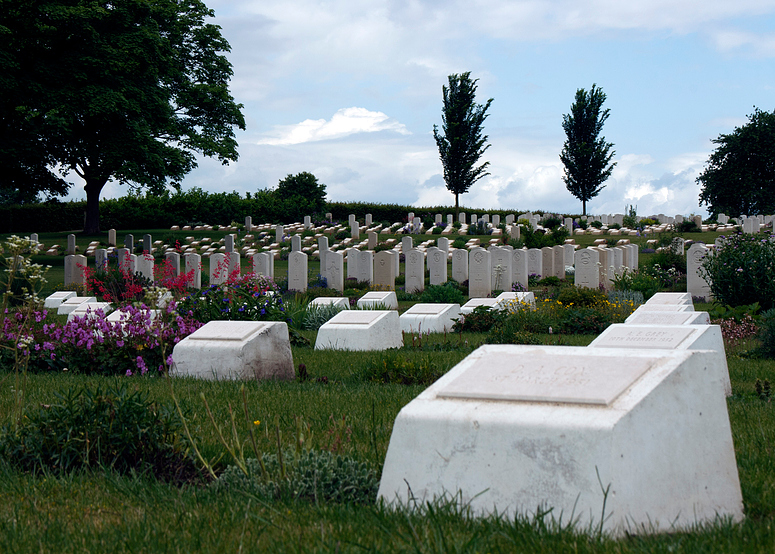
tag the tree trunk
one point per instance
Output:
(457, 208)
(583, 207)
(93, 189)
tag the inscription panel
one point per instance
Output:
(354, 317)
(624, 336)
(427, 309)
(536, 377)
(227, 330)
(661, 318)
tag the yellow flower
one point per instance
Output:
(256, 422)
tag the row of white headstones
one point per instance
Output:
(628, 435)
(494, 268)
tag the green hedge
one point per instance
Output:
(198, 206)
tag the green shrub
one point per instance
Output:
(581, 296)
(641, 282)
(688, 226)
(311, 475)
(459, 242)
(741, 272)
(447, 293)
(480, 320)
(596, 224)
(551, 222)
(767, 333)
(341, 235)
(584, 321)
(614, 226)
(393, 368)
(111, 428)
(507, 334)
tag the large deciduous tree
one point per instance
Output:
(462, 142)
(303, 194)
(740, 173)
(586, 155)
(128, 90)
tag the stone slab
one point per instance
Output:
(661, 444)
(342, 303)
(645, 317)
(72, 303)
(429, 318)
(55, 299)
(360, 330)
(379, 299)
(676, 337)
(670, 298)
(89, 309)
(227, 350)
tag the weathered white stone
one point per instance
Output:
(696, 285)
(474, 303)
(587, 272)
(342, 303)
(670, 298)
(460, 265)
(219, 269)
(378, 300)
(511, 428)
(429, 318)
(644, 317)
(676, 337)
(235, 350)
(519, 267)
(333, 270)
(361, 330)
(297, 271)
(665, 308)
(365, 266)
(72, 303)
(193, 264)
(559, 261)
(437, 265)
(504, 298)
(385, 270)
(479, 273)
(535, 262)
(89, 310)
(500, 262)
(414, 270)
(54, 300)
(144, 265)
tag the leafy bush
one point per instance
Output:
(480, 320)
(614, 226)
(248, 297)
(341, 235)
(459, 242)
(767, 333)
(551, 222)
(641, 282)
(311, 475)
(111, 428)
(741, 272)
(510, 334)
(581, 296)
(447, 293)
(688, 226)
(596, 224)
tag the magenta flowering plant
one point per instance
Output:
(140, 342)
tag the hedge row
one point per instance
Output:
(196, 206)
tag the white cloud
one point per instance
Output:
(345, 122)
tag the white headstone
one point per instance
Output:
(385, 270)
(297, 271)
(172, 259)
(519, 267)
(437, 265)
(515, 427)
(145, 265)
(193, 270)
(278, 234)
(415, 271)
(502, 273)
(479, 273)
(352, 263)
(71, 247)
(219, 269)
(535, 262)
(429, 318)
(696, 285)
(378, 299)
(248, 224)
(334, 270)
(263, 264)
(547, 261)
(645, 317)
(53, 300)
(587, 272)
(111, 237)
(235, 350)
(365, 267)
(559, 261)
(101, 259)
(360, 330)
(460, 265)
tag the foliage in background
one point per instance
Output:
(739, 174)
(462, 141)
(20, 280)
(767, 333)
(586, 156)
(447, 293)
(111, 428)
(741, 271)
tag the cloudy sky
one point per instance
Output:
(350, 90)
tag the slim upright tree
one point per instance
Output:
(586, 155)
(462, 142)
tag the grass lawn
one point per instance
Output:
(343, 407)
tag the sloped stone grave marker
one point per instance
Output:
(360, 330)
(235, 350)
(429, 318)
(515, 427)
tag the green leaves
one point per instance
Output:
(462, 142)
(586, 155)
(739, 174)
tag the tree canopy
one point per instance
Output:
(586, 155)
(127, 90)
(740, 173)
(462, 142)
(304, 191)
